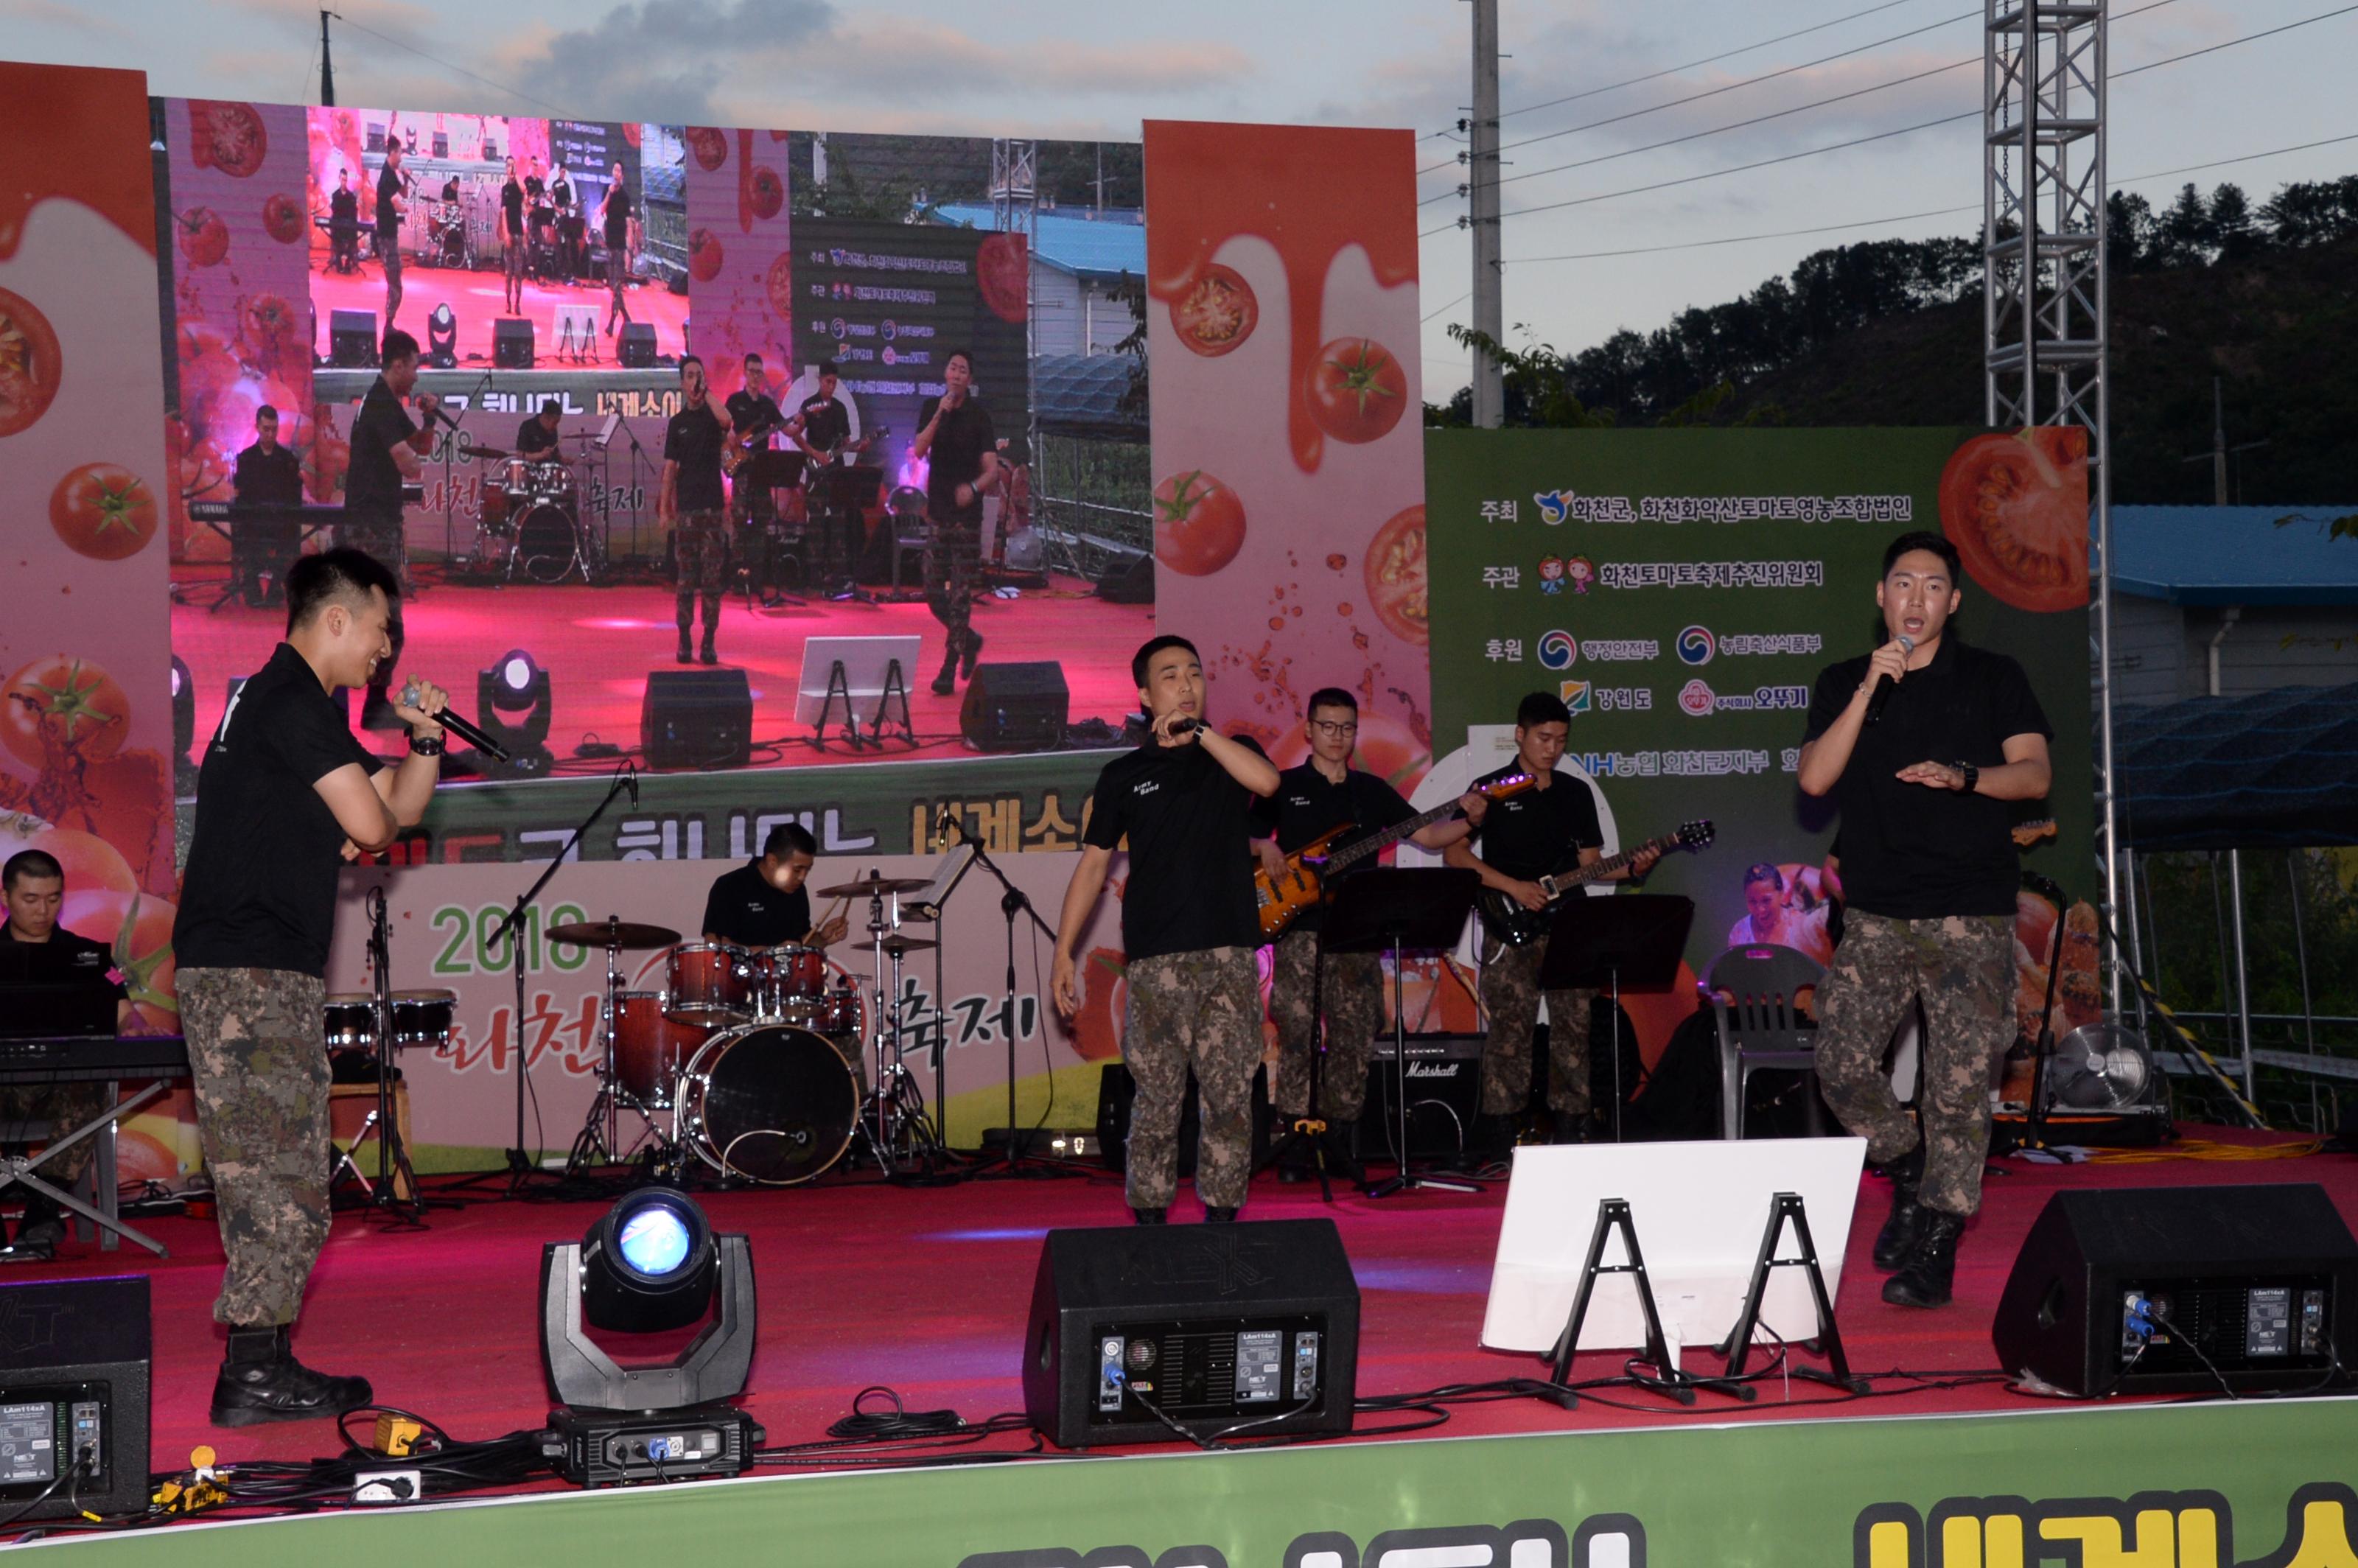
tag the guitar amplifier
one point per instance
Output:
(1445, 1093)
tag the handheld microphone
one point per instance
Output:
(1884, 685)
(1188, 727)
(472, 734)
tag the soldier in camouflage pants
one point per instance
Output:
(1199, 1010)
(1963, 966)
(1511, 995)
(953, 557)
(699, 545)
(1351, 989)
(262, 1105)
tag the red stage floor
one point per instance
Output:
(598, 645)
(477, 299)
(926, 1289)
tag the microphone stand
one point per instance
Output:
(391, 1152)
(1012, 901)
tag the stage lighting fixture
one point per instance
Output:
(650, 1265)
(442, 338)
(512, 701)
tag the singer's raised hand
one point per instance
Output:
(419, 703)
(1889, 660)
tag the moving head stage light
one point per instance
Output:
(650, 1265)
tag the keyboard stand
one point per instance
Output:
(20, 1169)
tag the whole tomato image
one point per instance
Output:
(91, 864)
(1385, 747)
(277, 338)
(1395, 576)
(63, 704)
(1096, 1028)
(704, 255)
(2016, 505)
(104, 512)
(138, 928)
(30, 363)
(204, 238)
(1200, 524)
(765, 192)
(1357, 390)
(708, 146)
(226, 136)
(208, 365)
(778, 284)
(282, 219)
(1217, 313)
(1002, 269)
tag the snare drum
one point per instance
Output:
(421, 1020)
(349, 1022)
(650, 1049)
(711, 983)
(786, 976)
(552, 480)
(772, 1104)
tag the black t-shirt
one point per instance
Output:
(1910, 852)
(560, 193)
(274, 478)
(68, 956)
(745, 909)
(343, 207)
(534, 439)
(388, 186)
(1538, 832)
(747, 411)
(1308, 804)
(260, 889)
(372, 483)
(827, 425)
(692, 441)
(617, 214)
(534, 188)
(956, 457)
(512, 203)
(1189, 826)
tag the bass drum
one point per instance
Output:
(769, 1103)
(548, 544)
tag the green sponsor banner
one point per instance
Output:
(2262, 1485)
(1682, 589)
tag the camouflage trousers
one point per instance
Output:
(1199, 1010)
(1510, 996)
(1963, 967)
(952, 555)
(699, 544)
(1351, 992)
(63, 1107)
(262, 1107)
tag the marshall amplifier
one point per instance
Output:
(1445, 1091)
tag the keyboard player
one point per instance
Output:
(262, 545)
(33, 888)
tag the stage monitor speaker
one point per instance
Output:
(2182, 1290)
(1221, 1327)
(74, 1380)
(1016, 707)
(1116, 1091)
(636, 349)
(352, 339)
(512, 344)
(697, 718)
(1132, 584)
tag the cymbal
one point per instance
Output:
(497, 454)
(621, 933)
(872, 886)
(895, 946)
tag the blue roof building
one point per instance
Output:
(1079, 260)
(2230, 598)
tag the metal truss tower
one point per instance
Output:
(2045, 309)
(1015, 207)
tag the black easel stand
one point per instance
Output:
(1403, 910)
(1632, 939)
(1787, 1207)
(1612, 1214)
(1012, 902)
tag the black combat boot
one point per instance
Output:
(1931, 1270)
(1897, 1237)
(1218, 1215)
(686, 654)
(1572, 1127)
(707, 654)
(1150, 1215)
(261, 1381)
(947, 682)
(973, 651)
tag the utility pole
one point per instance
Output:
(1482, 202)
(327, 67)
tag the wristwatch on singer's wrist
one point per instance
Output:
(1972, 776)
(426, 745)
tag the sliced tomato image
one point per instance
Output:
(709, 145)
(63, 704)
(30, 363)
(227, 136)
(1217, 313)
(1200, 524)
(1396, 578)
(1001, 269)
(1357, 390)
(778, 284)
(2016, 505)
(104, 511)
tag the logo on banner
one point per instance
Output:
(1697, 700)
(1696, 645)
(1558, 650)
(1575, 696)
(1551, 574)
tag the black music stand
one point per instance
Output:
(1604, 944)
(1400, 910)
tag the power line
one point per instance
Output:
(1451, 306)
(496, 86)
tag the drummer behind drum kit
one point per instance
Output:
(753, 1057)
(532, 521)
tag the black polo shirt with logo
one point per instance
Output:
(68, 956)
(1189, 826)
(692, 441)
(1308, 804)
(1538, 833)
(743, 908)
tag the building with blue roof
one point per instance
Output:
(1080, 259)
(2273, 604)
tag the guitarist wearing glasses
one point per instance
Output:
(753, 414)
(1544, 831)
(1330, 807)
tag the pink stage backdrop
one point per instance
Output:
(740, 261)
(1289, 461)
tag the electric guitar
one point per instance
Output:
(1516, 926)
(1302, 882)
(741, 444)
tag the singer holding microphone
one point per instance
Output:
(961, 449)
(387, 452)
(1923, 744)
(284, 795)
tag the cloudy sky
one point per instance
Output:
(1087, 68)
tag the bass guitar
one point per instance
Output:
(741, 444)
(1302, 883)
(1516, 926)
